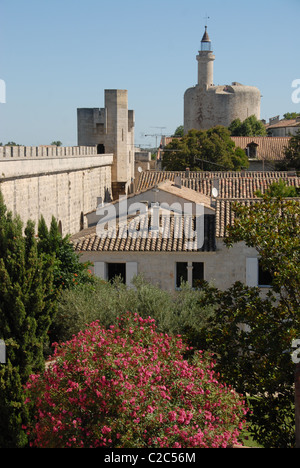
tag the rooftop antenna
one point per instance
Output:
(156, 135)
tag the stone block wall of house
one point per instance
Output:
(221, 268)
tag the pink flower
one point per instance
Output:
(135, 384)
(105, 430)
(172, 416)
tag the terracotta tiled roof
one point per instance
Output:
(225, 214)
(284, 123)
(169, 239)
(174, 236)
(268, 148)
(231, 184)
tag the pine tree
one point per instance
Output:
(27, 306)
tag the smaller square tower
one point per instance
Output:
(111, 129)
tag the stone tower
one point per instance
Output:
(205, 60)
(111, 130)
(207, 105)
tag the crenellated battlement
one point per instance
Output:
(27, 161)
(42, 152)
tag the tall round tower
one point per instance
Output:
(207, 105)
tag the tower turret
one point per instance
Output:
(205, 62)
(207, 105)
(205, 42)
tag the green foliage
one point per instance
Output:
(68, 270)
(272, 227)
(251, 337)
(207, 150)
(291, 159)
(291, 115)
(27, 305)
(280, 190)
(179, 132)
(249, 127)
(209, 319)
(179, 312)
(258, 357)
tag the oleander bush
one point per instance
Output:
(130, 385)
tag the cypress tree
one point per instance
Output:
(27, 306)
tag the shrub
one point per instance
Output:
(131, 386)
(183, 312)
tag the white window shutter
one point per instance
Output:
(100, 270)
(131, 271)
(252, 272)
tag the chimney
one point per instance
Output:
(177, 181)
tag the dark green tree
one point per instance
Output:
(207, 150)
(27, 306)
(68, 270)
(253, 335)
(291, 115)
(291, 155)
(179, 132)
(249, 127)
(272, 227)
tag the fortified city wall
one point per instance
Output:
(64, 182)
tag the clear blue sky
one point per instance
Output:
(57, 55)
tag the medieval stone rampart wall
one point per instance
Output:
(64, 182)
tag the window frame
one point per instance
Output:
(189, 275)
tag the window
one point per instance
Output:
(100, 149)
(264, 277)
(108, 271)
(181, 273)
(198, 274)
(189, 272)
(252, 150)
(116, 269)
(255, 275)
